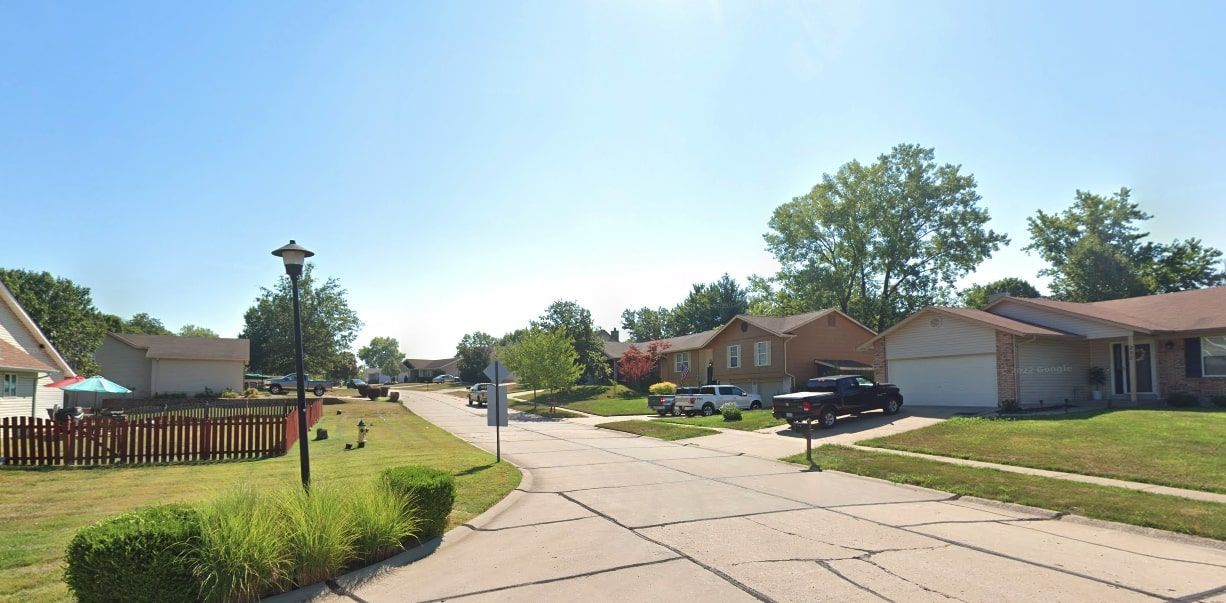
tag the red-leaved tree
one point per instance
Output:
(636, 365)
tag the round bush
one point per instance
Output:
(428, 492)
(143, 555)
(731, 412)
(663, 388)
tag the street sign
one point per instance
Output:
(495, 372)
(496, 414)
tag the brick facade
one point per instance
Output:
(879, 366)
(1006, 367)
(1173, 377)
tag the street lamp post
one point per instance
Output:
(294, 256)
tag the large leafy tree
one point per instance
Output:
(329, 325)
(383, 353)
(544, 360)
(344, 366)
(144, 324)
(576, 322)
(646, 324)
(475, 350)
(64, 311)
(707, 306)
(877, 241)
(1104, 232)
(978, 296)
(190, 330)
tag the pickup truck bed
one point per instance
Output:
(826, 398)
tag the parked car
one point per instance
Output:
(446, 379)
(478, 393)
(354, 383)
(710, 397)
(825, 399)
(665, 405)
(290, 383)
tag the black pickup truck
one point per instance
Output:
(824, 399)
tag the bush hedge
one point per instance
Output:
(1218, 401)
(430, 492)
(731, 411)
(142, 555)
(1182, 400)
(663, 388)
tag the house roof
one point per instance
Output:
(422, 364)
(996, 321)
(13, 357)
(1197, 310)
(43, 343)
(175, 347)
(783, 325)
(615, 349)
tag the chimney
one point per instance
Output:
(616, 336)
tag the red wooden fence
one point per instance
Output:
(149, 439)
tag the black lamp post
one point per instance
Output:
(294, 256)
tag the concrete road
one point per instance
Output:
(605, 516)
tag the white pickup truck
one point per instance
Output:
(710, 397)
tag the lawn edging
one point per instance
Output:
(347, 582)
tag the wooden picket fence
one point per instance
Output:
(150, 439)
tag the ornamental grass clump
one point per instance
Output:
(382, 522)
(242, 552)
(319, 531)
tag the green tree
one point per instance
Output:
(878, 241)
(475, 350)
(1107, 231)
(64, 311)
(383, 353)
(544, 360)
(646, 324)
(196, 331)
(576, 322)
(708, 305)
(144, 324)
(978, 296)
(329, 325)
(344, 366)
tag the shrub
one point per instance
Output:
(242, 554)
(141, 555)
(251, 392)
(428, 492)
(731, 412)
(228, 394)
(393, 397)
(1218, 401)
(1008, 406)
(663, 388)
(372, 393)
(1182, 400)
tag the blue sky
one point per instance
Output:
(460, 165)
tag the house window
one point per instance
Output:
(734, 356)
(1213, 356)
(681, 362)
(762, 353)
(10, 386)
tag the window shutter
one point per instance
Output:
(1191, 357)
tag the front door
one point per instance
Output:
(1141, 376)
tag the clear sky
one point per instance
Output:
(459, 165)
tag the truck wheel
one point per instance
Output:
(275, 389)
(827, 417)
(755, 405)
(318, 391)
(676, 412)
(708, 410)
(892, 406)
(690, 413)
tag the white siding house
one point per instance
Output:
(152, 365)
(944, 360)
(28, 362)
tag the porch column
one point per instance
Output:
(1130, 360)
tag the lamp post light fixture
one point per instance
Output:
(294, 256)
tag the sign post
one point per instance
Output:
(496, 405)
(809, 445)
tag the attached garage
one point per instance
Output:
(946, 380)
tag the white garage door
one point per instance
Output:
(946, 380)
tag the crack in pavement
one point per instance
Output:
(551, 580)
(869, 560)
(1122, 550)
(526, 525)
(837, 573)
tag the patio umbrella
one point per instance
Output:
(66, 382)
(98, 385)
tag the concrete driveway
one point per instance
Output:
(605, 516)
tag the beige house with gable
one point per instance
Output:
(28, 362)
(152, 365)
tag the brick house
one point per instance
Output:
(1040, 351)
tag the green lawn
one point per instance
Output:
(542, 410)
(41, 509)
(1181, 448)
(1090, 500)
(657, 429)
(751, 420)
(603, 400)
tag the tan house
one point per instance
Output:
(769, 355)
(1041, 351)
(28, 362)
(152, 365)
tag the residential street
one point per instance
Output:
(604, 515)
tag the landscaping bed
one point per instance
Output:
(32, 557)
(1180, 448)
(751, 420)
(657, 429)
(1199, 518)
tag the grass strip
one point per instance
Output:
(657, 429)
(542, 410)
(751, 420)
(1172, 513)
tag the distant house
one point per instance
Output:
(417, 370)
(152, 365)
(1036, 351)
(28, 361)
